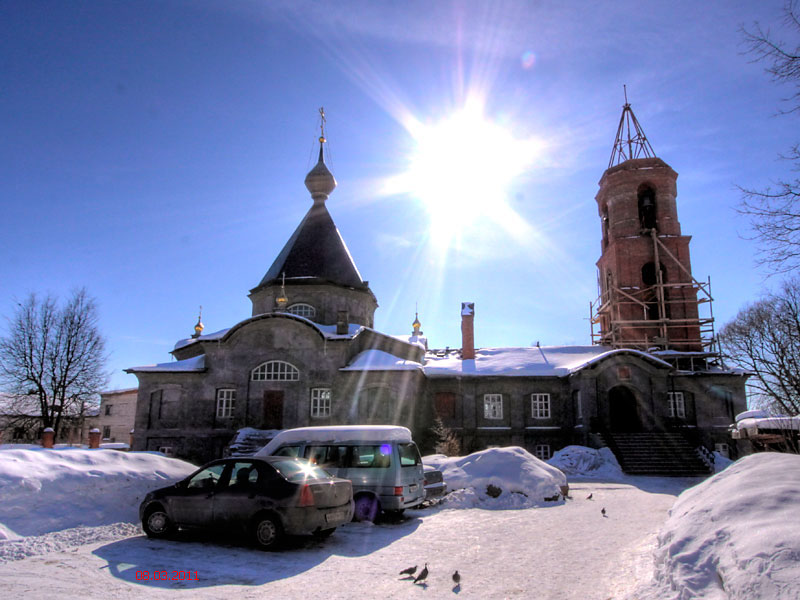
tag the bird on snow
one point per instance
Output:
(456, 578)
(589, 497)
(603, 511)
(422, 574)
(409, 570)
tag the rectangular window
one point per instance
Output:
(540, 406)
(542, 451)
(226, 401)
(106, 432)
(723, 449)
(445, 404)
(677, 407)
(320, 403)
(108, 409)
(493, 406)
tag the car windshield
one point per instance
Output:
(299, 470)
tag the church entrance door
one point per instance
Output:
(623, 411)
(273, 410)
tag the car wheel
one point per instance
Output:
(267, 532)
(366, 508)
(157, 524)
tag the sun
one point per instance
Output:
(461, 169)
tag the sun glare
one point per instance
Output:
(461, 172)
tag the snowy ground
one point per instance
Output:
(565, 549)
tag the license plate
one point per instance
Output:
(335, 516)
(412, 487)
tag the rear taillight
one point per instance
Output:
(398, 491)
(306, 496)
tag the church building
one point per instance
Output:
(651, 385)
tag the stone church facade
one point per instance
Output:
(309, 354)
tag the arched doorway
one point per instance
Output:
(623, 410)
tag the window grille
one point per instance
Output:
(540, 406)
(275, 370)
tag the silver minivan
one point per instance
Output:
(382, 462)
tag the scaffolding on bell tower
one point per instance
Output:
(663, 317)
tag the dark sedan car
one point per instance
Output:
(264, 497)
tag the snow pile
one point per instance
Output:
(48, 490)
(522, 480)
(587, 462)
(734, 536)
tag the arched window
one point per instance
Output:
(302, 310)
(647, 206)
(275, 370)
(604, 219)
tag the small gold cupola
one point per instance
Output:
(198, 327)
(416, 325)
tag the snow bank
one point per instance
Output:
(522, 479)
(734, 536)
(48, 490)
(587, 462)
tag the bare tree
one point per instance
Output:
(764, 338)
(447, 442)
(55, 356)
(774, 213)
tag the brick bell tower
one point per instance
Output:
(649, 299)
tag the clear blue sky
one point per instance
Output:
(154, 152)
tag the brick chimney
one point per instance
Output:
(342, 326)
(48, 437)
(467, 330)
(94, 438)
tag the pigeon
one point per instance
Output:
(589, 497)
(456, 578)
(603, 511)
(422, 574)
(409, 570)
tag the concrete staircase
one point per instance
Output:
(665, 454)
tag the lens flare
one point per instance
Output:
(528, 59)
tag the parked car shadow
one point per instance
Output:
(198, 560)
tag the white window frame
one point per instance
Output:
(226, 403)
(540, 406)
(275, 370)
(493, 406)
(320, 403)
(677, 404)
(302, 309)
(542, 451)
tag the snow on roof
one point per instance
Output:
(338, 434)
(378, 360)
(327, 331)
(554, 361)
(203, 338)
(780, 422)
(188, 365)
(414, 340)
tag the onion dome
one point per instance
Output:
(320, 181)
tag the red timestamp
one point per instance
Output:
(166, 576)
